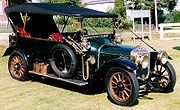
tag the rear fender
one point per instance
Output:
(9, 50)
(24, 55)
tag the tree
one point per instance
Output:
(143, 4)
(119, 8)
(149, 4)
(173, 17)
(169, 4)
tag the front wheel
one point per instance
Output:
(122, 86)
(166, 76)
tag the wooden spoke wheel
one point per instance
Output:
(122, 86)
(17, 66)
(166, 76)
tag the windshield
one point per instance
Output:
(92, 25)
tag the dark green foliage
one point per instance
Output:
(161, 16)
(98, 22)
(173, 17)
(176, 16)
(142, 4)
(126, 24)
(62, 20)
(149, 4)
(119, 8)
(169, 4)
(95, 22)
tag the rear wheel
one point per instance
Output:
(122, 87)
(17, 66)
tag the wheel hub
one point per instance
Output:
(17, 67)
(120, 86)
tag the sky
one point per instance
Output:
(178, 6)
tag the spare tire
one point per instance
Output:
(62, 61)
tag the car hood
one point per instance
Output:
(106, 46)
(117, 49)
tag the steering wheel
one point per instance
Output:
(77, 35)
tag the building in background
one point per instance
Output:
(3, 17)
(99, 5)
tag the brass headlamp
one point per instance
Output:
(140, 57)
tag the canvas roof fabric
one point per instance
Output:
(58, 9)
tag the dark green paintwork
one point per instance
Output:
(108, 49)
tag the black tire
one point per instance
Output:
(17, 66)
(166, 76)
(63, 61)
(122, 86)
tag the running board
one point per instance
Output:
(72, 81)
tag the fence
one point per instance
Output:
(170, 28)
(5, 27)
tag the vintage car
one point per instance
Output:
(37, 46)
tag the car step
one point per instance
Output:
(72, 81)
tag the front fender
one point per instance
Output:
(154, 59)
(123, 63)
(9, 50)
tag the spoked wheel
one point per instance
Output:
(17, 66)
(166, 76)
(122, 86)
(63, 61)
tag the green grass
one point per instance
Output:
(46, 94)
(172, 28)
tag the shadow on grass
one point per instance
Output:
(146, 98)
(134, 104)
(177, 48)
(87, 90)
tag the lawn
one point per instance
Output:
(47, 94)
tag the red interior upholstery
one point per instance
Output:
(57, 37)
(23, 33)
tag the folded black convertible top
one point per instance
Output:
(57, 9)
